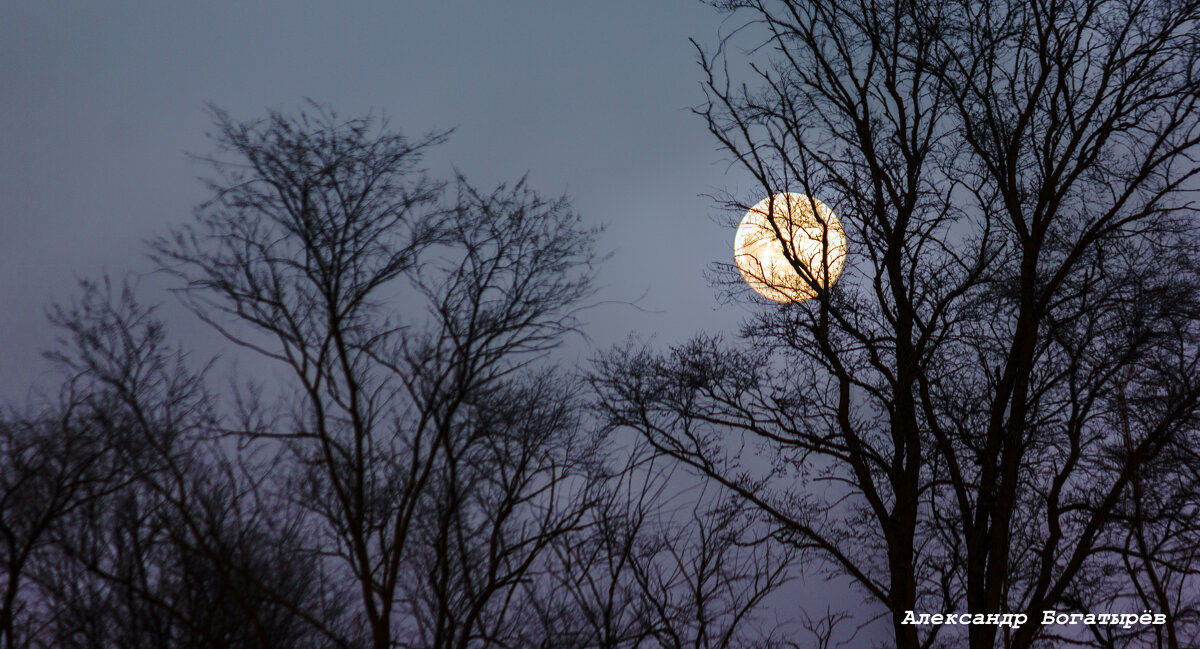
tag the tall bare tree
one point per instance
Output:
(435, 457)
(970, 419)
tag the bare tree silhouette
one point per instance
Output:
(995, 409)
(435, 458)
(662, 567)
(174, 548)
(52, 464)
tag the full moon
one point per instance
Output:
(808, 232)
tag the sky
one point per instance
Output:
(102, 102)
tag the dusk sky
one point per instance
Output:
(102, 102)
(994, 412)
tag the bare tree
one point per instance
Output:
(175, 548)
(968, 421)
(52, 464)
(434, 458)
(661, 564)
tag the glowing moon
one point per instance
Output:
(809, 232)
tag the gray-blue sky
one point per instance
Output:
(101, 101)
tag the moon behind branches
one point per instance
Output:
(815, 240)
